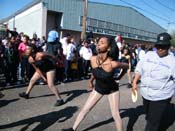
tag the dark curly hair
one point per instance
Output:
(114, 50)
(34, 49)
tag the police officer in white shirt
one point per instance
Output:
(70, 55)
(157, 73)
(86, 53)
(64, 43)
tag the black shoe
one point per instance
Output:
(129, 85)
(138, 81)
(59, 102)
(24, 95)
(1, 95)
(70, 129)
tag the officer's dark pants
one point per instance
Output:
(154, 111)
(52, 48)
(68, 70)
(86, 65)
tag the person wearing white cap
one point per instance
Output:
(157, 74)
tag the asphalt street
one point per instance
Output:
(39, 114)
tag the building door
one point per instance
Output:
(53, 20)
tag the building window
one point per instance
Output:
(121, 28)
(126, 29)
(116, 27)
(93, 22)
(101, 24)
(137, 32)
(108, 25)
(109, 28)
(80, 20)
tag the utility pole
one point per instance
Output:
(14, 21)
(83, 33)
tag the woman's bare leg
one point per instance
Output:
(129, 76)
(90, 103)
(32, 82)
(50, 81)
(114, 105)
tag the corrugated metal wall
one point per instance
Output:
(122, 15)
(72, 9)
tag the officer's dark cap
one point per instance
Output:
(163, 39)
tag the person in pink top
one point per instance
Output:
(22, 46)
(23, 59)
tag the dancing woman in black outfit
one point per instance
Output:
(127, 59)
(44, 66)
(103, 66)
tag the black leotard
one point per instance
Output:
(45, 65)
(125, 60)
(105, 84)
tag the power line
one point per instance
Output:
(164, 5)
(145, 11)
(149, 5)
(152, 7)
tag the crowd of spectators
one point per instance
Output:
(73, 58)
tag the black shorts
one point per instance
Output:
(106, 91)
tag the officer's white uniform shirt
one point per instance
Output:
(141, 54)
(64, 45)
(155, 76)
(70, 51)
(119, 44)
(85, 53)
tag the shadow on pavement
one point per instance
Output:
(32, 97)
(6, 102)
(99, 124)
(45, 120)
(15, 86)
(73, 94)
(123, 84)
(132, 113)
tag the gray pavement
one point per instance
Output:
(39, 114)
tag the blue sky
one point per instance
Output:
(160, 11)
